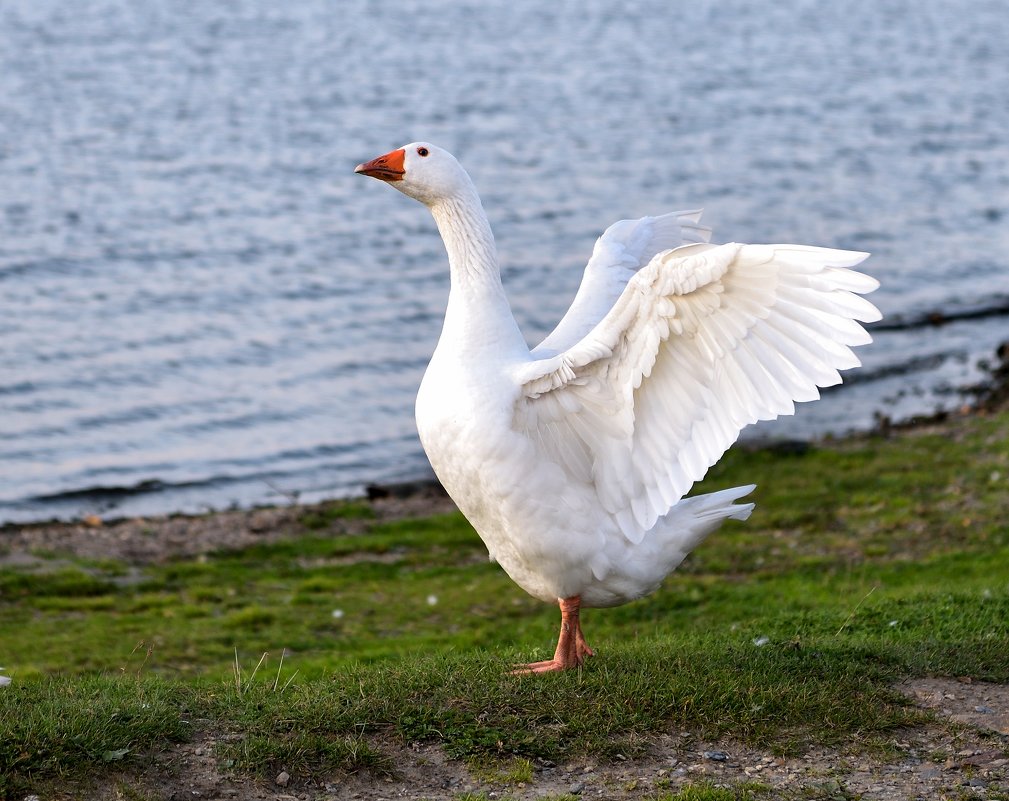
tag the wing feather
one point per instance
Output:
(623, 249)
(699, 343)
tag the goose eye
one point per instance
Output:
(422, 151)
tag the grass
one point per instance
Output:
(55, 728)
(709, 792)
(866, 561)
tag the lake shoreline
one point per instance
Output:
(146, 540)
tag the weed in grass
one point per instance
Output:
(242, 685)
(517, 770)
(145, 651)
(705, 791)
(237, 668)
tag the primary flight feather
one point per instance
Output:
(571, 460)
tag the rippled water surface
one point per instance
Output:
(200, 304)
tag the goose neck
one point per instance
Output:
(472, 254)
(478, 313)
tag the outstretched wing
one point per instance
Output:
(702, 341)
(619, 253)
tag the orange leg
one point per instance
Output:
(571, 646)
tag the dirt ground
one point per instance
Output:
(963, 755)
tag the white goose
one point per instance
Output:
(571, 460)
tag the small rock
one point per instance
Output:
(282, 778)
(715, 756)
(984, 710)
(576, 788)
(92, 521)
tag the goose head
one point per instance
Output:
(421, 170)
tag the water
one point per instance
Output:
(201, 305)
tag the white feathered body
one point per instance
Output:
(572, 460)
(547, 531)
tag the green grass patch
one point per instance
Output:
(325, 514)
(55, 727)
(705, 791)
(867, 561)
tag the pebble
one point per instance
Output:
(576, 788)
(282, 778)
(984, 710)
(716, 756)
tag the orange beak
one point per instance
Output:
(386, 168)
